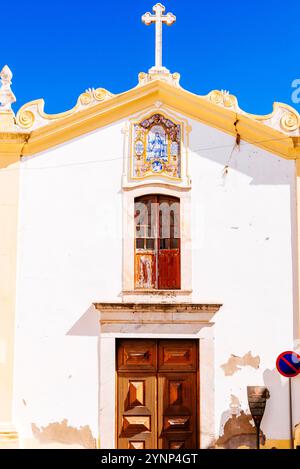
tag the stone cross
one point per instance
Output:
(158, 18)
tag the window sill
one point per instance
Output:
(157, 292)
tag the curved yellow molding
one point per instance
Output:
(289, 117)
(283, 118)
(32, 115)
(277, 132)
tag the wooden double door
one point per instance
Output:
(157, 397)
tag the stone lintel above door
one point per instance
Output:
(171, 318)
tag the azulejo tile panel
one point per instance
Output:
(156, 149)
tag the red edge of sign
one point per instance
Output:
(279, 358)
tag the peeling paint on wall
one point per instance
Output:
(235, 404)
(239, 431)
(62, 433)
(235, 363)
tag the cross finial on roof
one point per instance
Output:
(158, 18)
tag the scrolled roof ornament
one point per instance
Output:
(25, 119)
(100, 94)
(222, 98)
(91, 95)
(290, 121)
(86, 98)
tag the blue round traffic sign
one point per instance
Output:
(288, 364)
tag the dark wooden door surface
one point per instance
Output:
(157, 394)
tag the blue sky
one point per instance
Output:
(59, 48)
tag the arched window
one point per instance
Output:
(157, 242)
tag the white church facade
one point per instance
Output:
(149, 268)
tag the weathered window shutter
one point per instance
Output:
(169, 243)
(169, 269)
(157, 243)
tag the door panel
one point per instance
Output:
(177, 355)
(157, 394)
(137, 355)
(177, 410)
(137, 413)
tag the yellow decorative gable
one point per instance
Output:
(278, 132)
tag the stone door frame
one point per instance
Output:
(114, 325)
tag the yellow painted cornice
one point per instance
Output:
(11, 147)
(277, 132)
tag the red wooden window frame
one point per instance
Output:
(157, 242)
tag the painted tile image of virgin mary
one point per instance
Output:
(157, 144)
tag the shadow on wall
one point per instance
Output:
(239, 429)
(87, 325)
(273, 170)
(277, 408)
(239, 432)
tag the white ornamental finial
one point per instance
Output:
(6, 95)
(158, 18)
